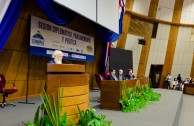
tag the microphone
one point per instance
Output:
(67, 61)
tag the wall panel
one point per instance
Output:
(141, 6)
(23, 37)
(5, 56)
(132, 44)
(14, 64)
(165, 10)
(23, 68)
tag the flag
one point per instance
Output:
(107, 46)
(121, 13)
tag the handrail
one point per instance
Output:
(153, 20)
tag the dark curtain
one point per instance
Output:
(55, 12)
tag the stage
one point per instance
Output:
(165, 112)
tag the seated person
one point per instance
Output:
(191, 81)
(112, 75)
(175, 84)
(120, 75)
(130, 74)
(57, 57)
(1, 85)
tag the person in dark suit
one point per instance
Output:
(120, 75)
(1, 85)
(180, 82)
(179, 79)
(112, 75)
(57, 57)
(130, 74)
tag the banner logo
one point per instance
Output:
(37, 39)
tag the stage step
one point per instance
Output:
(165, 112)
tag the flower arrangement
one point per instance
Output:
(49, 113)
(134, 99)
(89, 118)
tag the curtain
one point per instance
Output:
(9, 20)
(55, 12)
(105, 34)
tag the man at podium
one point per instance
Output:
(57, 57)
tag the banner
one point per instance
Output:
(45, 37)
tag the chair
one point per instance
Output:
(5, 92)
(106, 75)
(98, 79)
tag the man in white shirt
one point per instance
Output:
(120, 75)
(57, 57)
(168, 81)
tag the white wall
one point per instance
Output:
(141, 6)
(132, 44)
(183, 53)
(108, 14)
(86, 8)
(165, 10)
(103, 12)
(187, 15)
(158, 47)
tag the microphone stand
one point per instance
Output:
(67, 61)
(26, 102)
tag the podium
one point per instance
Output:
(72, 80)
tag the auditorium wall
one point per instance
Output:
(174, 51)
(158, 47)
(141, 6)
(183, 56)
(15, 56)
(165, 10)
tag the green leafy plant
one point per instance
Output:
(89, 118)
(49, 113)
(134, 99)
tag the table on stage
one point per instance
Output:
(110, 92)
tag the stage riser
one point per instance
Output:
(165, 112)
